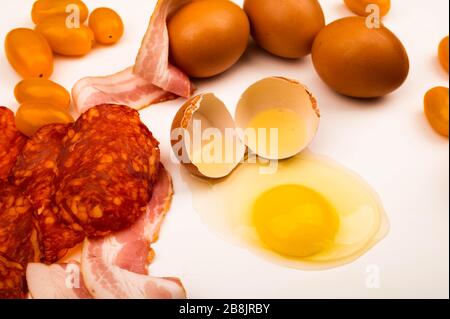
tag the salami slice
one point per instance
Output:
(11, 142)
(18, 241)
(35, 172)
(117, 266)
(12, 280)
(107, 168)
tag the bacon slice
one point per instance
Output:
(116, 266)
(152, 62)
(57, 281)
(123, 88)
(152, 80)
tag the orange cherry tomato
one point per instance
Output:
(106, 25)
(42, 91)
(443, 53)
(29, 53)
(359, 7)
(31, 116)
(42, 9)
(436, 109)
(64, 39)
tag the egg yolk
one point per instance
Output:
(294, 220)
(291, 133)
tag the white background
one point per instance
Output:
(388, 142)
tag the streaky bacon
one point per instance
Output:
(122, 88)
(117, 266)
(152, 80)
(152, 62)
(57, 281)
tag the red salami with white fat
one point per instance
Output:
(18, 241)
(35, 173)
(11, 142)
(106, 170)
(117, 266)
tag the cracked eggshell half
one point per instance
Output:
(204, 137)
(277, 118)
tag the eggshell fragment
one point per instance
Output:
(281, 104)
(204, 137)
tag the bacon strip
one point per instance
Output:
(57, 281)
(116, 266)
(152, 80)
(152, 62)
(123, 88)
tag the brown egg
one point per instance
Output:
(208, 36)
(285, 28)
(359, 61)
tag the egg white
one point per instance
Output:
(225, 207)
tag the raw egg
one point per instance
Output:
(285, 28)
(277, 117)
(359, 61)
(307, 213)
(207, 37)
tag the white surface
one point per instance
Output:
(388, 142)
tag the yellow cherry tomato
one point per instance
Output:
(31, 116)
(443, 53)
(436, 109)
(29, 53)
(361, 7)
(64, 39)
(106, 25)
(42, 9)
(42, 91)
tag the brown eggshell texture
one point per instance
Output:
(285, 28)
(208, 36)
(359, 61)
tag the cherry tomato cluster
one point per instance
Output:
(63, 27)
